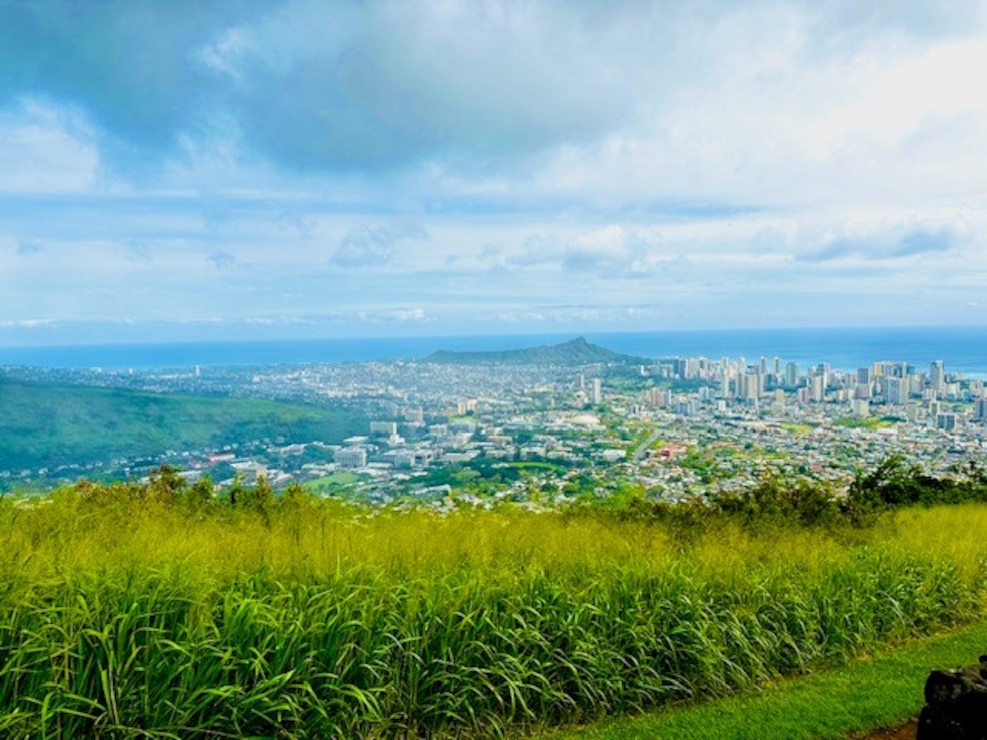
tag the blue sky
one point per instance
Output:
(235, 169)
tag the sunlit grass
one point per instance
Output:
(317, 620)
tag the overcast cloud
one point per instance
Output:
(302, 168)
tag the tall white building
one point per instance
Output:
(895, 390)
(752, 385)
(725, 385)
(937, 377)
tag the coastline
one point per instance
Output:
(963, 349)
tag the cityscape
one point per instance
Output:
(543, 434)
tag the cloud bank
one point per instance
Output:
(477, 165)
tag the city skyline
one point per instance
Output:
(176, 171)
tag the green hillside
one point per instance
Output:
(45, 425)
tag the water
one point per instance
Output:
(964, 349)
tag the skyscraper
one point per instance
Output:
(791, 374)
(937, 377)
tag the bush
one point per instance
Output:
(774, 502)
(896, 483)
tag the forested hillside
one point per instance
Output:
(50, 425)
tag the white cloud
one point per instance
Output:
(46, 148)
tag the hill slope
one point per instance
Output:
(574, 352)
(44, 425)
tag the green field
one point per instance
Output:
(51, 425)
(147, 611)
(332, 484)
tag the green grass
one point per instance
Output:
(537, 465)
(870, 694)
(852, 422)
(797, 429)
(332, 483)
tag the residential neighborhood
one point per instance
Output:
(669, 429)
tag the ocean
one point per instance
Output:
(963, 349)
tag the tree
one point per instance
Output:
(166, 486)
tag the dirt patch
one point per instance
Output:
(905, 732)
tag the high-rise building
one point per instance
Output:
(350, 457)
(725, 389)
(791, 374)
(895, 390)
(937, 377)
(659, 397)
(752, 384)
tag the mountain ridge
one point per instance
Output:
(573, 352)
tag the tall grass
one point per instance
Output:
(133, 619)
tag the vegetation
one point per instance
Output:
(872, 693)
(334, 484)
(50, 425)
(168, 610)
(897, 483)
(486, 476)
(870, 422)
(778, 503)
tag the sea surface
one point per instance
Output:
(963, 349)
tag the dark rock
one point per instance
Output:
(956, 705)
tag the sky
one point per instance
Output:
(235, 169)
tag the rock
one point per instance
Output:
(956, 705)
